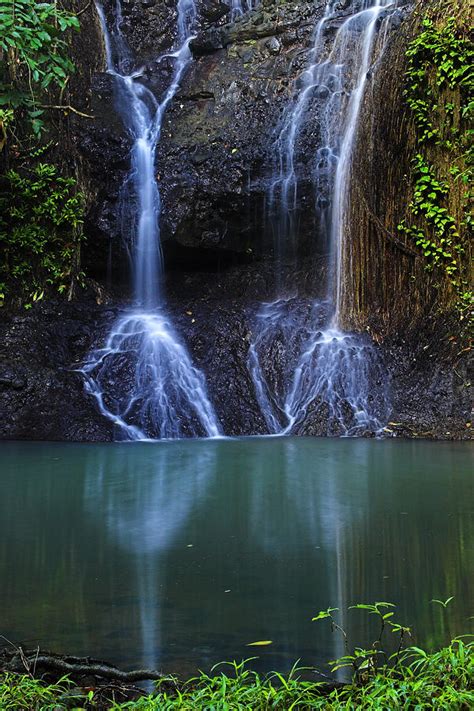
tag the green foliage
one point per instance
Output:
(411, 679)
(41, 214)
(41, 211)
(21, 692)
(441, 242)
(439, 93)
(437, 50)
(418, 681)
(443, 603)
(364, 662)
(33, 56)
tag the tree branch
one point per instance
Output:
(66, 107)
(80, 12)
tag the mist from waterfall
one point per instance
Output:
(143, 378)
(336, 375)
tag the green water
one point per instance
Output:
(178, 554)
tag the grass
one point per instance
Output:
(21, 692)
(415, 679)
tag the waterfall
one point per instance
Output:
(367, 19)
(143, 378)
(336, 376)
(240, 7)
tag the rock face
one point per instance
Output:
(216, 151)
(215, 154)
(431, 381)
(391, 284)
(41, 396)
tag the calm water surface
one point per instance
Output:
(178, 554)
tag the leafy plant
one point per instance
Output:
(437, 50)
(411, 679)
(21, 692)
(439, 81)
(441, 243)
(41, 215)
(33, 56)
(365, 662)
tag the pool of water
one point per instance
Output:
(178, 554)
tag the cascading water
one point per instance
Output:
(312, 368)
(336, 375)
(143, 378)
(240, 7)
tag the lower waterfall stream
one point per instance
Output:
(338, 373)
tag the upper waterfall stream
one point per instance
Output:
(336, 373)
(143, 378)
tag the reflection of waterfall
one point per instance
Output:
(144, 516)
(293, 517)
(143, 378)
(264, 517)
(337, 375)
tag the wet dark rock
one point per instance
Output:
(432, 382)
(220, 334)
(214, 11)
(208, 42)
(41, 395)
(213, 159)
(273, 45)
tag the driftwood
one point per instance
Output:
(34, 662)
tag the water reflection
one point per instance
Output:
(144, 514)
(178, 554)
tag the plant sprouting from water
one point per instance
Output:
(366, 662)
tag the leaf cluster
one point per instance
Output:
(23, 693)
(33, 56)
(440, 244)
(41, 215)
(439, 92)
(440, 51)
